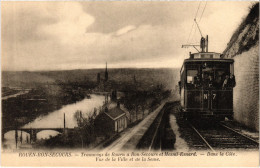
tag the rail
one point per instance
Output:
(216, 137)
(254, 141)
(204, 140)
(155, 135)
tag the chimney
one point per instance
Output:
(118, 104)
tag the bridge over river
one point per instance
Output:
(33, 131)
(52, 123)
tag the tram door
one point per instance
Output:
(208, 77)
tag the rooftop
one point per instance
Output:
(115, 112)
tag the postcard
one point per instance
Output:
(130, 84)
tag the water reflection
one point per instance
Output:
(9, 141)
(54, 119)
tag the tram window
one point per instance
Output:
(189, 79)
(220, 76)
(217, 74)
(191, 74)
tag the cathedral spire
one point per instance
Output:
(106, 73)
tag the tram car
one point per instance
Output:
(206, 86)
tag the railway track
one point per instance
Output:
(159, 136)
(220, 136)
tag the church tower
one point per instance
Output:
(106, 73)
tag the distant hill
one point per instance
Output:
(24, 79)
(145, 77)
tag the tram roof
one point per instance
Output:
(208, 60)
(207, 56)
(210, 57)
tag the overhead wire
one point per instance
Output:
(193, 37)
(190, 33)
(193, 22)
(197, 10)
(203, 11)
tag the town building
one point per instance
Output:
(111, 121)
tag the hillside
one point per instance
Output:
(145, 77)
(24, 79)
(246, 35)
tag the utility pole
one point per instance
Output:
(16, 133)
(64, 122)
(16, 137)
(207, 43)
(21, 137)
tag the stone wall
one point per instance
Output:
(244, 49)
(246, 92)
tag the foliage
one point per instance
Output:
(250, 38)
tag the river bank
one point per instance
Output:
(54, 119)
(24, 108)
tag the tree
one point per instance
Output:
(143, 109)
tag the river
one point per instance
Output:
(55, 120)
(16, 94)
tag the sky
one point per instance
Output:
(83, 35)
